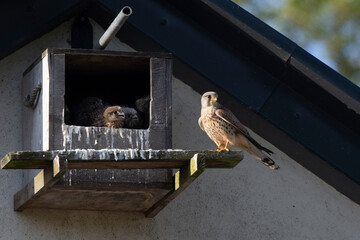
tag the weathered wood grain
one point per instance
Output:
(119, 159)
(99, 198)
(45, 129)
(57, 67)
(68, 76)
(56, 187)
(182, 179)
(33, 120)
(41, 182)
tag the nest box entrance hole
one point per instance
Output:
(116, 80)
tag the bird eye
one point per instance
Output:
(116, 113)
(209, 97)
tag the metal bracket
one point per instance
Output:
(31, 101)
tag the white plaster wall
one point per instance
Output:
(247, 202)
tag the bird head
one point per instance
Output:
(209, 99)
(132, 118)
(114, 117)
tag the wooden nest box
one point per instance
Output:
(67, 77)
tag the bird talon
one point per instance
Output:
(223, 149)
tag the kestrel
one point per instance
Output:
(92, 111)
(132, 118)
(112, 117)
(225, 130)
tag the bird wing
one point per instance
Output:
(230, 118)
(201, 124)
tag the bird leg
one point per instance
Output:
(225, 148)
(220, 148)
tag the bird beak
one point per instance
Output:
(213, 99)
(120, 114)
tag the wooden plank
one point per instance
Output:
(56, 100)
(108, 64)
(80, 137)
(99, 198)
(182, 179)
(125, 179)
(32, 118)
(119, 159)
(92, 52)
(107, 53)
(28, 160)
(160, 126)
(41, 182)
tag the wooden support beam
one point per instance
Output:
(41, 182)
(182, 179)
(119, 159)
(27, 159)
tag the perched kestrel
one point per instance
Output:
(92, 111)
(225, 130)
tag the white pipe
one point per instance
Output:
(114, 27)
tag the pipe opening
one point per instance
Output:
(127, 11)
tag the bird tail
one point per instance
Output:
(268, 151)
(265, 159)
(258, 145)
(270, 163)
(256, 150)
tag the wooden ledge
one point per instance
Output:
(43, 190)
(119, 159)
